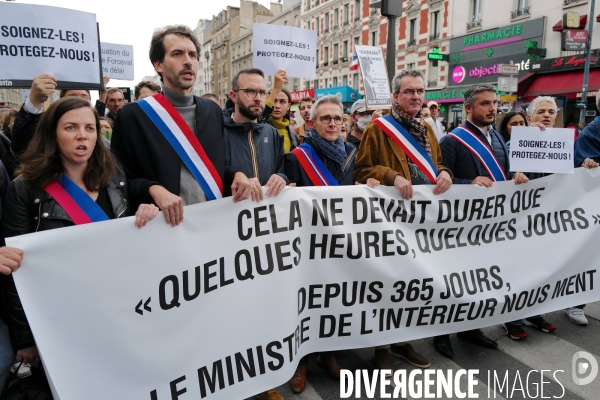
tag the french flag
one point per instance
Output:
(354, 65)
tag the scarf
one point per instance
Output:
(335, 151)
(282, 128)
(414, 127)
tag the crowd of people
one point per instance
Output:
(115, 160)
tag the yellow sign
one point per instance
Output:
(571, 20)
(508, 97)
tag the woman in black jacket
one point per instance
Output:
(66, 159)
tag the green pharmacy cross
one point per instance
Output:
(457, 58)
(443, 109)
(490, 52)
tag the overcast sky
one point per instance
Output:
(132, 22)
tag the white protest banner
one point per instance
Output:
(285, 47)
(224, 305)
(117, 61)
(533, 150)
(40, 39)
(375, 79)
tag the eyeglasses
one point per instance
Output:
(325, 119)
(363, 113)
(411, 92)
(251, 93)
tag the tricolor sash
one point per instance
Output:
(75, 201)
(409, 145)
(185, 143)
(481, 151)
(317, 172)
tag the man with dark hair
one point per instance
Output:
(477, 155)
(306, 104)
(145, 89)
(193, 170)
(114, 102)
(261, 157)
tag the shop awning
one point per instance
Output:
(345, 93)
(562, 83)
(558, 27)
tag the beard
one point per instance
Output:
(248, 112)
(174, 78)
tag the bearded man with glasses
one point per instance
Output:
(255, 149)
(400, 151)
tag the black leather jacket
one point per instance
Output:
(29, 209)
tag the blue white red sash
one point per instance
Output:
(481, 151)
(185, 143)
(75, 201)
(409, 145)
(317, 172)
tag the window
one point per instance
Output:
(356, 10)
(316, 84)
(410, 66)
(522, 4)
(336, 51)
(308, 5)
(345, 80)
(356, 41)
(373, 38)
(475, 10)
(346, 13)
(307, 85)
(345, 49)
(326, 54)
(435, 33)
(318, 26)
(412, 31)
(318, 59)
(326, 22)
(336, 17)
(355, 82)
(325, 82)
(335, 81)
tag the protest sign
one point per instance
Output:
(375, 79)
(117, 61)
(40, 39)
(533, 150)
(224, 305)
(285, 47)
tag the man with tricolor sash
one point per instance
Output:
(477, 155)
(399, 150)
(171, 144)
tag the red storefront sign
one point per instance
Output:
(297, 96)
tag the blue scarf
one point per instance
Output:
(335, 151)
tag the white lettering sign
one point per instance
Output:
(375, 79)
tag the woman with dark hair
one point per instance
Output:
(510, 120)
(280, 116)
(68, 177)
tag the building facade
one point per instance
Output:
(202, 31)
(285, 13)
(491, 33)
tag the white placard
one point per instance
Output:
(162, 309)
(285, 47)
(40, 39)
(533, 150)
(117, 61)
(375, 79)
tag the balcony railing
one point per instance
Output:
(356, 19)
(432, 83)
(434, 37)
(474, 24)
(569, 2)
(518, 13)
(411, 43)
